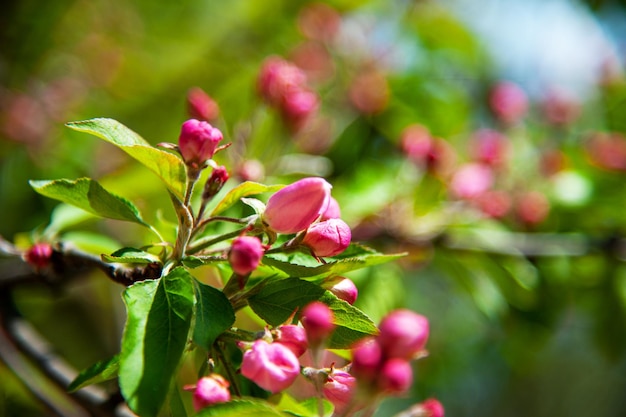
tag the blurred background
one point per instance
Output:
(486, 139)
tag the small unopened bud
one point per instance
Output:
(201, 106)
(403, 334)
(294, 337)
(490, 147)
(532, 207)
(215, 182)
(471, 180)
(272, 366)
(328, 238)
(39, 255)
(245, 254)
(428, 408)
(508, 102)
(367, 356)
(210, 390)
(317, 320)
(293, 208)
(342, 287)
(396, 376)
(339, 390)
(198, 141)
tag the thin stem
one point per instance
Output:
(204, 222)
(205, 243)
(230, 372)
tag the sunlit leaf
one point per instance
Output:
(241, 408)
(214, 314)
(243, 190)
(98, 372)
(155, 336)
(90, 196)
(131, 256)
(170, 168)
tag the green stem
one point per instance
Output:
(230, 372)
(205, 243)
(203, 223)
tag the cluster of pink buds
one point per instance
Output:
(284, 86)
(299, 207)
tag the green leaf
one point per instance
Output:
(170, 168)
(243, 190)
(155, 336)
(241, 408)
(277, 301)
(90, 196)
(214, 315)
(301, 265)
(131, 256)
(306, 408)
(65, 216)
(98, 372)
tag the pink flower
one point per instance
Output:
(333, 211)
(317, 320)
(490, 147)
(201, 106)
(272, 366)
(339, 390)
(532, 207)
(245, 254)
(294, 337)
(328, 238)
(342, 287)
(293, 208)
(278, 76)
(209, 390)
(39, 255)
(508, 102)
(403, 333)
(197, 141)
(367, 357)
(471, 180)
(430, 408)
(396, 376)
(215, 182)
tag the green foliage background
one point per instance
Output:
(512, 335)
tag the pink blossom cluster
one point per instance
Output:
(283, 86)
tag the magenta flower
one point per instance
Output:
(197, 141)
(328, 238)
(215, 182)
(245, 254)
(209, 390)
(317, 320)
(342, 287)
(367, 357)
(396, 376)
(272, 366)
(508, 102)
(39, 255)
(403, 334)
(277, 77)
(339, 390)
(293, 208)
(294, 337)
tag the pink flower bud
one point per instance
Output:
(532, 207)
(396, 376)
(294, 337)
(339, 390)
(245, 254)
(342, 287)
(489, 147)
(276, 77)
(39, 255)
(471, 180)
(367, 357)
(215, 182)
(201, 106)
(198, 141)
(494, 203)
(328, 238)
(272, 366)
(293, 208)
(333, 211)
(429, 408)
(317, 319)
(209, 390)
(508, 102)
(403, 333)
